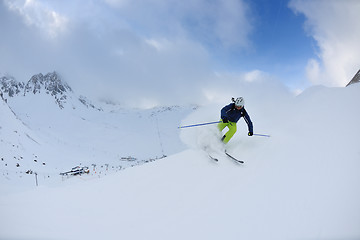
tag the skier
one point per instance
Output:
(230, 115)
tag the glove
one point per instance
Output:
(225, 120)
(250, 133)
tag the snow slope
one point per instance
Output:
(101, 133)
(302, 183)
(19, 146)
(47, 130)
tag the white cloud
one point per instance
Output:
(233, 25)
(117, 3)
(313, 70)
(36, 14)
(334, 26)
(217, 23)
(129, 51)
(158, 44)
(254, 75)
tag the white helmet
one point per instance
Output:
(240, 102)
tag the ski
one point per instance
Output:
(233, 158)
(227, 154)
(206, 150)
(213, 158)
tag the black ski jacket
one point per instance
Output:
(233, 115)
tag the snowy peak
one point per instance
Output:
(10, 86)
(51, 83)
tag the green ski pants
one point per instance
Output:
(229, 134)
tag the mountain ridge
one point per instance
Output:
(51, 84)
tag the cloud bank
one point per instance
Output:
(147, 51)
(165, 51)
(334, 26)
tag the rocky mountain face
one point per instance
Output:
(10, 86)
(355, 79)
(51, 84)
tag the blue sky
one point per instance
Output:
(168, 47)
(280, 44)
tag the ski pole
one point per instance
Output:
(199, 124)
(261, 135)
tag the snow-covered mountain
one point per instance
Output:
(15, 138)
(10, 86)
(63, 130)
(51, 84)
(355, 79)
(301, 183)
